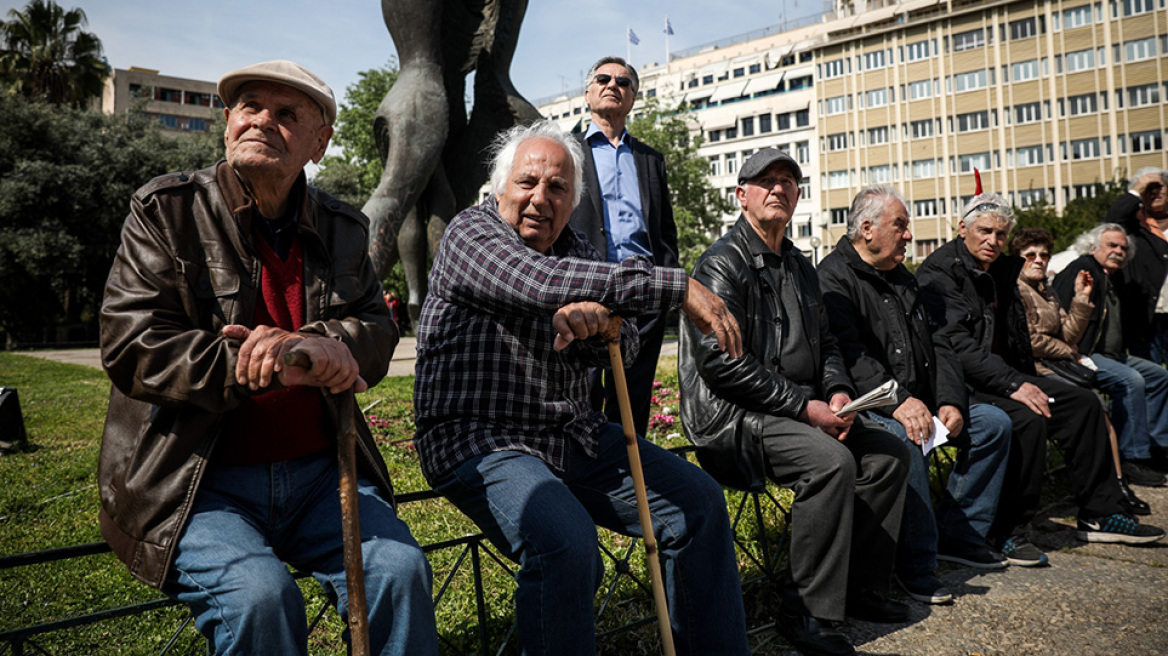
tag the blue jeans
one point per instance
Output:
(1139, 400)
(248, 521)
(971, 498)
(547, 523)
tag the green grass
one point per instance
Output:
(48, 498)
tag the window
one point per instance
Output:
(1076, 17)
(731, 133)
(1027, 70)
(834, 68)
(924, 168)
(804, 187)
(1080, 60)
(1145, 94)
(1023, 29)
(967, 163)
(837, 141)
(1029, 156)
(1133, 7)
(877, 136)
(973, 121)
(873, 60)
(748, 126)
(803, 152)
(922, 128)
(923, 208)
(755, 68)
(1139, 49)
(193, 98)
(167, 95)
(1142, 142)
(969, 81)
(925, 247)
(1086, 103)
(921, 89)
(784, 122)
(168, 121)
(969, 40)
(803, 82)
(837, 180)
(920, 50)
(839, 215)
(803, 118)
(739, 72)
(1028, 197)
(1027, 113)
(837, 105)
(731, 164)
(877, 98)
(1084, 148)
(715, 135)
(715, 165)
(882, 173)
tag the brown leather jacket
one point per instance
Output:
(1054, 332)
(185, 269)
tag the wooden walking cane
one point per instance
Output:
(612, 336)
(342, 406)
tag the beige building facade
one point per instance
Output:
(1046, 98)
(180, 106)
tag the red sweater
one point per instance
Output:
(281, 424)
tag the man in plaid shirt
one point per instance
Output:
(507, 334)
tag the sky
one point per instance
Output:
(336, 39)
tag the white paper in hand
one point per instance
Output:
(940, 436)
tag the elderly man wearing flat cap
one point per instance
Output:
(772, 414)
(218, 464)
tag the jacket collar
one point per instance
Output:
(756, 247)
(899, 274)
(243, 206)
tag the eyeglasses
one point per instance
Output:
(988, 207)
(604, 78)
(1030, 257)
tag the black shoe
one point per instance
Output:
(1138, 473)
(1131, 503)
(925, 588)
(871, 607)
(970, 554)
(811, 636)
(1117, 528)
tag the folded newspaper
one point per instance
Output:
(877, 398)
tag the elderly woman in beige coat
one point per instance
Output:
(1054, 332)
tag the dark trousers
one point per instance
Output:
(848, 501)
(639, 377)
(1077, 426)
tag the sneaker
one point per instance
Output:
(1131, 503)
(1019, 551)
(1118, 528)
(1137, 473)
(970, 554)
(925, 588)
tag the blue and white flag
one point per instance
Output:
(668, 27)
(633, 38)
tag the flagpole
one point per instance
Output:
(629, 45)
(668, 30)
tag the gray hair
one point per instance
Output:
(620, 62)
(868, 205)
(1090, 241)
(1145, 171)
(995, 206)
(502, 154)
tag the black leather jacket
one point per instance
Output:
(884, 332)
(185, 269)
(981, 315)
(723, 399)
(1144, 274)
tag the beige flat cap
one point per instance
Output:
(281, 71)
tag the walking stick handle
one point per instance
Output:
(612, 336)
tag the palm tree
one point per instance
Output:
(47, 56)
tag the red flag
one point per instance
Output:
(977, 177)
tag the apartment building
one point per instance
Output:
(1045, 97)
(180, 106)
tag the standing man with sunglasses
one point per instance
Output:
(627, 213)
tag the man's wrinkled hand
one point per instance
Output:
(951, 416)
(914, 415)
(1032, 396)
(822, 416)
(579, 321)
(710, 314)
(261, 359)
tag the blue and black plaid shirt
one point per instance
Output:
(488, 378)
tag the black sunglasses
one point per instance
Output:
(604, 78)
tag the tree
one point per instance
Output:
(47, 56)
(697, 207)
(66, 178)
(1079, 216)
(354, 174)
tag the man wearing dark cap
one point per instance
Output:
(772, 414)
(218, 465)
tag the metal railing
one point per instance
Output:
(754, 535)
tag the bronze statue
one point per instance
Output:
(433, 152)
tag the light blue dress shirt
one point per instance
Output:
(625, 231)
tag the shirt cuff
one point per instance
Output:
(672, 284)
